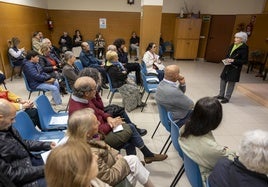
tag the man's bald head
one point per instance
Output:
(82, 85)
(172, 72)
(7, 114)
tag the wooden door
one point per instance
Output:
(186, 49)
(220, 37)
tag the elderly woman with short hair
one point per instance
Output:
(249, 169)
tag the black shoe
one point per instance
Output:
(136, 59)
(219, 97)
(104, 86)
(225, 100)
(142, 132)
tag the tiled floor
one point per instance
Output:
(202, 79)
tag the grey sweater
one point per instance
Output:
(173, 99)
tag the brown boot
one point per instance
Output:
(156, 157)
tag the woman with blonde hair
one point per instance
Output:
(113, 167)
(119, 78)
(72, 165)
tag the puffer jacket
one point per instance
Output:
(15, 158)
(111, 170)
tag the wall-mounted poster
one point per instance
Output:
(102, 23)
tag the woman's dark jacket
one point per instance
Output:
(15, 158)
(47, 66)
(227, 173)
(232, 72)
(117, 77)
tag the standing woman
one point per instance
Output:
(99, 46)
(237, 56)
(77, 39)
(152, 61)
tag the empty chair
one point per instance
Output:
(148, 88)
(169, 48)
(165, 121)
(27, 130)
(78, 64)
(30, 90)
(111, 89)
(192, 171)
(49, 119)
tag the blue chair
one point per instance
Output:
(148, 88)
(111, 89)
(165, 121)
(192, 171)
(169, 48)
(91, 47)
(150, 77)
(13, 66)
(78, 64)
(68, 89)
(174, 138)
(26, 128)
(30, 90)
(46, 113)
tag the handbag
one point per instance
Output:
(118, 139)
(114, 110)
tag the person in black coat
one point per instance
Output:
(17, 162)
(249, 169)
(237, 56)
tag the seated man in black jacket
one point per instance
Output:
(16, 160)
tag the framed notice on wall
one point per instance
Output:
(102, 22)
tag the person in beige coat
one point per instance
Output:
(113, 167)
(196, 139)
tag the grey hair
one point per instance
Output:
(68, 55)
(111, 48)
(253, 151)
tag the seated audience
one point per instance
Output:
(249, 169)
(152, 61)
(77, 38)
(55, 53)
(170, 93)
(113, 167)
(38, 79)
(72, 165)
(123, 58)
(196, 139)
(113, 110)
(15, 53)
(118, 74)
(20, 104)
(65, 42)
(88, 60)
(134, 44)
(37, 41)
(69, 70)
(16, 160)
(99, 45)
(83, 93)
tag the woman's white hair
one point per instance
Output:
(253, 151)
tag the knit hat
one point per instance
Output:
(242, 35)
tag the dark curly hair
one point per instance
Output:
(118, 42)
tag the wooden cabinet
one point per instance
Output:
(186, 38)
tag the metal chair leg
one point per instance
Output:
(145, 101)
(110, 100)
(178, 176)
(165, 144)
(156, 129)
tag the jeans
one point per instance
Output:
(54, 88)
(160, 74)
(137, 48)
(182, 121)
(135, 141)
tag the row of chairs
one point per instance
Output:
(189, 166)
(52, 123)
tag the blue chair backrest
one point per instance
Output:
(164, 117)
(25, 125)
(192, 171)
(68, 87)
(26, 82)
(143, 67)
(112, 89)
(79, 65)
(175, 135)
